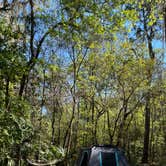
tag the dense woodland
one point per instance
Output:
(74, 73)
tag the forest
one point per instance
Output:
(77, 73)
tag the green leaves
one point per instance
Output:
(15, 126)
(91, 68)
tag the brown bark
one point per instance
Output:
(56, 109)
(95, 132)
(59, 129)
(146, 133)
(53, 126)
(145, 156)
(149, 36)
(75, 139)
(109, 127)
(92, 119)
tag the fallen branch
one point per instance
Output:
(56, 161)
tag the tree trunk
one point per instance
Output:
(104, 128)
(147, 131)
(109, 127)
(147, 108)
(149, 36)
(53, 126)
(22, 84)
(76, 127)
(93, 111)
(59, 129)
(68, 135)
(122, 124)
(95, 132)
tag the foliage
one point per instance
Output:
(77, 73)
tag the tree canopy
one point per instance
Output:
(78, 73)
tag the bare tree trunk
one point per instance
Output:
(92, 112)
(41, 113)
(149, 35)
(95, 131)
(104, 127)
(53, 126)
(120, 132)
(151, 148)
(109, 127)
(123, 122)
(76, 127)
(146, 133)
(59, 129)
(22, 84)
